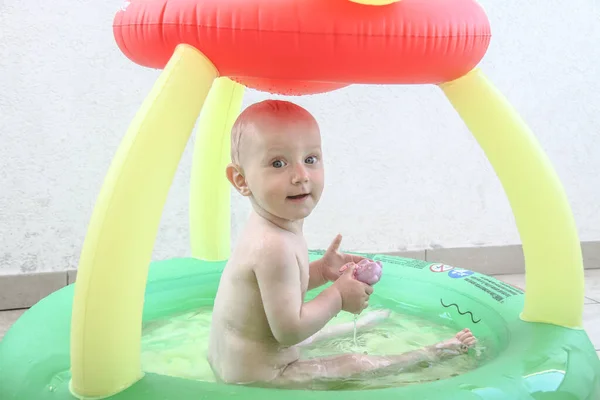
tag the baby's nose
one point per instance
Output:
(300, 174)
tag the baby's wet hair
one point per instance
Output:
(249, 119)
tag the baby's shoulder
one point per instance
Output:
(272, 249)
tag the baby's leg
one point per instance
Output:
(329, 332)
(302, 373)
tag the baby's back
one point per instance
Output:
(242, 348)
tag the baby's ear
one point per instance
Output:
(237, 179)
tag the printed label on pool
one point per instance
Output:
(497, 290)
(459, 273)
(440, 268)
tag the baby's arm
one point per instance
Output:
(316, 277)
(290, 319)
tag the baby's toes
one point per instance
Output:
(462, 334)
(467, 338)
(465, 335)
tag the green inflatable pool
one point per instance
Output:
(532, 360)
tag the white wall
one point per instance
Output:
(402, 170)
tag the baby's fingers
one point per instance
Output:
(345, 266)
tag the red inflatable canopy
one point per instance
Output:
(310, 46)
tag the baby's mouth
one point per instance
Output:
(299, 196)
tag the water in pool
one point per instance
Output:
(177, 347)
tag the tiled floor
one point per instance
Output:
(7, 318)
(591, 311)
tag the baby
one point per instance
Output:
(260, 319)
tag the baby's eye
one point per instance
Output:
(278, 164)
(311, 160)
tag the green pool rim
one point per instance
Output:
(34, 355)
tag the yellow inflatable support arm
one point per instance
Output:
(109, 293)
(554, 266)
(210, 193)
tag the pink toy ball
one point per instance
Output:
(368, 271)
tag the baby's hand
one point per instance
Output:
(354, 293)
(367, 271)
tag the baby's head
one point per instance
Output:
(276, 159)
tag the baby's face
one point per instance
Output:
(283, 164)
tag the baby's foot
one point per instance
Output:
(458, 345)
(372, 318)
